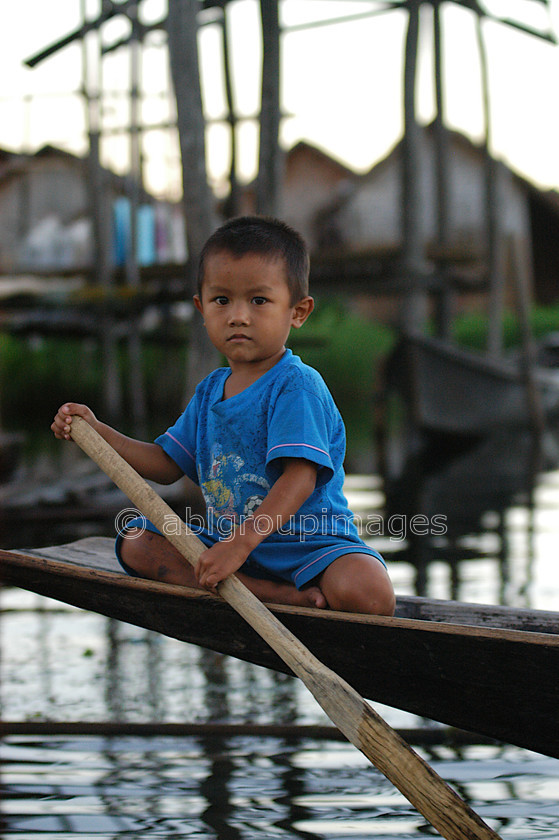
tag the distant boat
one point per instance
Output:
(487, 669)
(453, 391)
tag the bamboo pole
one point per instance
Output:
(198, 202)
(101, 210)
(233, 200)
(521, 270)
(414, 303)
(136, 384)
(269, 179)
(494, 243)
(361, 725)
(445, 300)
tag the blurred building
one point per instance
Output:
(46, 213)
(46, 216)
(341, 212)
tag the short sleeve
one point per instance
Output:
(299, 427)
(179, 441)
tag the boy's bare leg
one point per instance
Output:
(358, 583)
(151, 556)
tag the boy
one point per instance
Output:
(262, 437)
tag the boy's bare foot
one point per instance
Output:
(284, 593)
(313, 597)
(151, 556)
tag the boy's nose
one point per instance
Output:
(239, 314)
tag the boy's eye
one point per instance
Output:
(259, 300)
(221, 300)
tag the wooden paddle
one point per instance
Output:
(361, 725)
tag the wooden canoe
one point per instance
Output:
(455, 391)
(488, 669)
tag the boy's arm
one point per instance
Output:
(148, 459)
(287, 494)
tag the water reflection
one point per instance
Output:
(148, 677)
(471, 486)
(243, 789)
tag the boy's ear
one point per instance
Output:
(301, 311)
(198, 303)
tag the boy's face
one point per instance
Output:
(247, 311)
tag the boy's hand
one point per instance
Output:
(286, 496)
(63, 419)
(218, 562)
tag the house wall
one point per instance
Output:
(56, 186)
(12, 228)
(371, 217)
(311, 181)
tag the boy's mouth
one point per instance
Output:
(238, 337)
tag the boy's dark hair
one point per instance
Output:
(267, 237)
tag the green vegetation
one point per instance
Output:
(35, 371)
(471, 330)
(36, 375)
(345, 347)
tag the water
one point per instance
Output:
(61, 664)
(109, 788)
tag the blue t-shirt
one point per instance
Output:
(233, 449)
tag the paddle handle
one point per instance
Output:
(144, 497)
(361, 725)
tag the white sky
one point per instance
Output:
(341, 85)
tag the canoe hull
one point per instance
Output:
(451, 390)
(477, 677)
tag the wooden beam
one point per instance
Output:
(414, 304)
(109, 10)
(424, 736)
(269, 179)
(198, 202)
